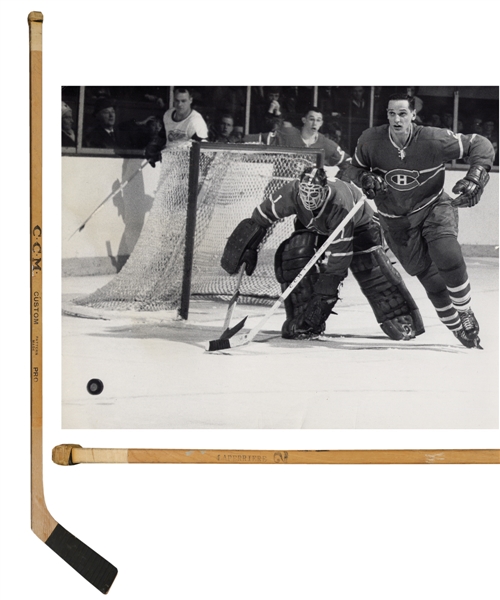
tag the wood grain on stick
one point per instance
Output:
(72, 454)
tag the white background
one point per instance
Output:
(230, 532)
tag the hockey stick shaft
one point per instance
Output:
(71, 454)
(234, 299)
(245, 338)
(95, 569)
(108, 197)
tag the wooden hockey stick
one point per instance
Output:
(245, 338)
(95, 569)
(108, 197)
(72, 454)
(232, 304)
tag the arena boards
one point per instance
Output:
(83, 559)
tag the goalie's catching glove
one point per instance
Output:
(372, 184)
(471, 187)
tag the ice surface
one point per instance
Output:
(156, 373)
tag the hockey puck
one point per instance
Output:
(95, 387)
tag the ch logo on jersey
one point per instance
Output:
(402, 179)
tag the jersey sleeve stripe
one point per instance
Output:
(264, 215)
(461, 145)
(360, 162)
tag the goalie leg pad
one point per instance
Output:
(241, 246)
(291, 257)
(391, 302)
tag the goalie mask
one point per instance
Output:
(313, 188)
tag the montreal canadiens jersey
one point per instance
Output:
(414, 175)
(341, 198)
(291, 137)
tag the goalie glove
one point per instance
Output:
(372, 184)
(471, 187)
(241, 247)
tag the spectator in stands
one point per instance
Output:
(295, 100)
(181, 123)
(104, 134)
(435, 120)
(412, 92)
(491, 133)
(477, 125)
(223, 130)
(358, 114)
(447, 121)
(268, 115)
(330, 103)
(333, 131)
(68, 135)
(238, 134)
(309, 136)
(139, 134)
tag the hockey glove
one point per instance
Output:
(372, 184)
(242, 246)
(152, 153)
(471, 187)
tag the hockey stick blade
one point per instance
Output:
(227, 343)
(90, 565)
(230, 331)
(226, 340)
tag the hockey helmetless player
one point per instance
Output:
(401, 166)
(319, 205)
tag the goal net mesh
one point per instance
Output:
(232, 182)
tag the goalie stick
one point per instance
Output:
(226, 332)
(95, 569)
(73, 454)
(245, 338)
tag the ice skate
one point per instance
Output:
(469, 323)
(467, 340)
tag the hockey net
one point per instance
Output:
(232, 181)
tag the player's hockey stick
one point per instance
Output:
(72, 454)
(108, 197)
(95, 569)
(226, 332)
(245, 338)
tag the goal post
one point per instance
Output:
(203, 192)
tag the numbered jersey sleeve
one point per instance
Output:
(277, 205)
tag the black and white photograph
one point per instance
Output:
(319, 256)
(270, 229)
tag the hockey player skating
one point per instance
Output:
(319, 206)
(401, 166)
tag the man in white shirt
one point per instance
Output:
(181, 123)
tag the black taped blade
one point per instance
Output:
(230, 331)
(90, 565)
